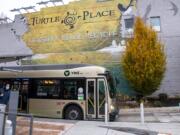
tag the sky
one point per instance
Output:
(7, 5)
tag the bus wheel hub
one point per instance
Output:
(73, 114)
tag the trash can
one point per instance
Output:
(2, 110)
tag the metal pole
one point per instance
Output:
(2, 118)
(106, 113)
(142, 112)
(31, 126)
(3, 113)
(4, 124)
(106, 106)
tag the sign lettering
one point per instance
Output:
(85, 15)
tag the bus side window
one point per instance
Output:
(48, 89)
(70, 88)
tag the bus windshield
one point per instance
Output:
(111, 85)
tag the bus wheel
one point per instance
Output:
(73, 113)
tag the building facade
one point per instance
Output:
(94, 31)
(164, 17)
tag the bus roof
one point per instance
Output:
(46, 71)
(45, 67)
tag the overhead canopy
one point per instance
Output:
(11, 45)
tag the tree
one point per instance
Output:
(144, 60)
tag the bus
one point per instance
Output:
(71, 91)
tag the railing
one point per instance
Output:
(14, 125)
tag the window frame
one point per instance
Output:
(153, 26)
(77, 80)
(125, 23)
(33, 89)
(47, 96)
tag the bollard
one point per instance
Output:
(13, 106)
(142, 112)
(2, 118)
(8, 127)
(106, 113)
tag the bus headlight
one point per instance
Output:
(112, 107)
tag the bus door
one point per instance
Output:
(24, 94)
(101, 98)
(22, 86)
(95, 98)
(91, 98)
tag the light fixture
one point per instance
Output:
(43, 3)
(55, 1)
(28, 8)
(50, 1)
(16, 10)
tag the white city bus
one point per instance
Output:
(75, 91)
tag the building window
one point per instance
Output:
(129, 23)
(155, 23)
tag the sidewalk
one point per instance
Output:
(150, 117)
(158, 120)
(151, 110)
(163, 114)
(122, 128)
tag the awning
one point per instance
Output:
(12, 47)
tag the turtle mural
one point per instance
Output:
(86, 31)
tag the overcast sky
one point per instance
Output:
(7, 5)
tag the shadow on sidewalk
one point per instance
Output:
(132, 130)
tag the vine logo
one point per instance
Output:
(66, 73)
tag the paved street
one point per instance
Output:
(128, 123)
(122, 128)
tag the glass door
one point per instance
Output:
(101, 97)
(91, 98)
(24, 94)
